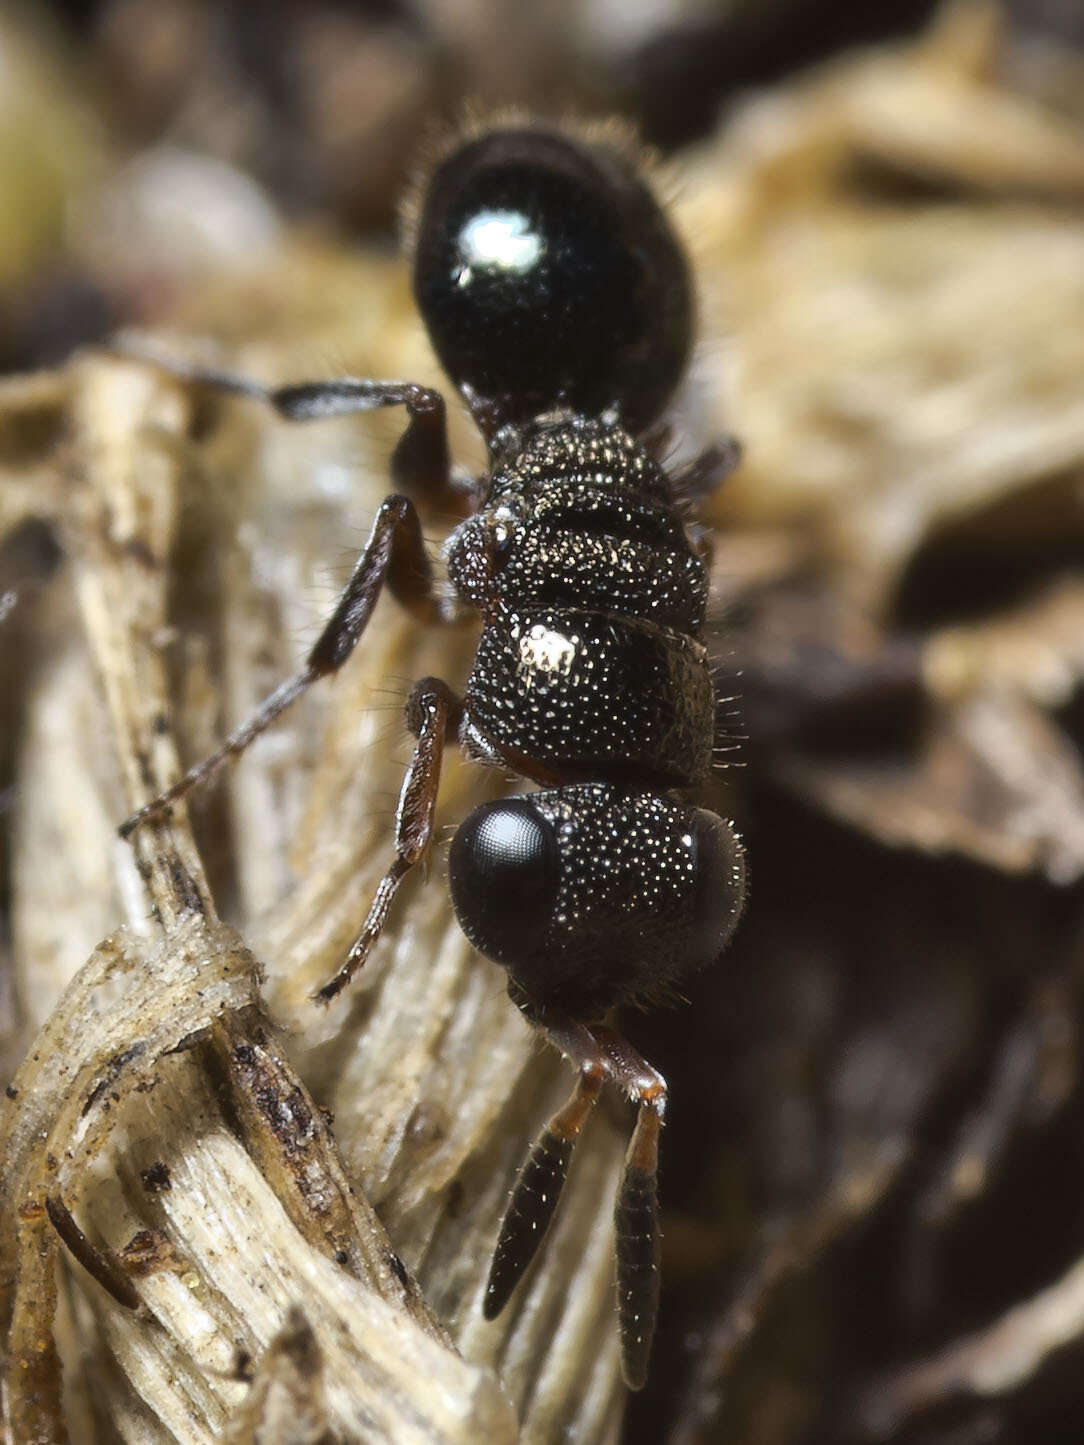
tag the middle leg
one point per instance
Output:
(395, 557)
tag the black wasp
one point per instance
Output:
(558, 300)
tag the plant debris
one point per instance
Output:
(273, 1222)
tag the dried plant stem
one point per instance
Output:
(160, 1122)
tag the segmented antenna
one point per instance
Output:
(528, 1216)
(636, 1220)
(536, 1192)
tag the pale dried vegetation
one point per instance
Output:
(277, 1218)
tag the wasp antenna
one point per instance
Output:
(636, 1221)
(537, 1191)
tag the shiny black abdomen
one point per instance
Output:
(589, 666)
(548, 276)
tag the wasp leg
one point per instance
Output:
(708, 471)
(636, 1214)
(433, 712)
(421, 462)
(394, 555)
(542, 1178)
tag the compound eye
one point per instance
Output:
(503, 873)
(719, 893)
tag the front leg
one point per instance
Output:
(394, 555)
(433, 712)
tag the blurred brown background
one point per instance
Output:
(322, 106)
(874, 1170)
